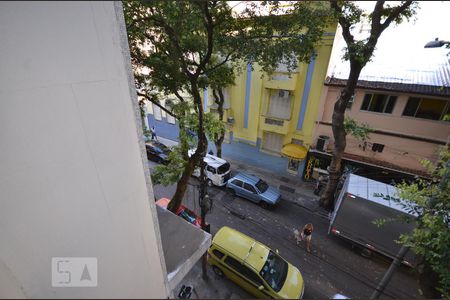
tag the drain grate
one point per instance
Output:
(284, 179)
(287, 189)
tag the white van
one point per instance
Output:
(217, 170)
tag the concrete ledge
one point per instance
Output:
(183, 245)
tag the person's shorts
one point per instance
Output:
(306, 237)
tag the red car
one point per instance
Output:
(183, 212)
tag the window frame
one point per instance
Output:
(211, 169)
(238, 180)
(219, 257)
(251, 186)
(386, 104)
(443, 113)
(243, 270)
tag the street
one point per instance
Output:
(332, 266)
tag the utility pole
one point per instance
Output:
(204, 206)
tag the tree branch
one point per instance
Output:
(227, 58)
(152, 100)
(209, 25)
(395, 14)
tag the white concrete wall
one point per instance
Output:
(72, 175)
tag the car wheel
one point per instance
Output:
(217, 271)
(210, 183)
(264, 204)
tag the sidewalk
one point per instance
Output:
(292, 188)
(213, 288)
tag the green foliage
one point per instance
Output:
(431, 202)
(186, 46)
(170, 173)
(358, 131)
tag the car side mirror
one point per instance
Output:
(261, 287)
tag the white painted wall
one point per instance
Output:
(72, 173)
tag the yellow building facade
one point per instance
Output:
(276, 113)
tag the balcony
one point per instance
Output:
(182, 243)
(271, 124)
(281, 81)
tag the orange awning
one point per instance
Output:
(294, 151)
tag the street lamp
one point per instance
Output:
(436, 43)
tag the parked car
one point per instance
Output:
(183, 212)
(254, 189)
(254, 266)
(217, 169)
(157, 151)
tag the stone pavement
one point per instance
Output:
(213, 288)
(292, 189)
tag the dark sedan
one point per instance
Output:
(157, 152)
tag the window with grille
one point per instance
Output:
(272, 142)
(280, 105)
(432, 109)
(273, 122)
(379, 103)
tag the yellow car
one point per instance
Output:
(253, 266)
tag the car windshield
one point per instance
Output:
(262, 186)
(223, 168)
(274, 271)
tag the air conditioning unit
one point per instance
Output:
(283, 94)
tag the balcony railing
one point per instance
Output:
(281, 81)
(273, 121)
(271, 124)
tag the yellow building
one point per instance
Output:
(275, 113)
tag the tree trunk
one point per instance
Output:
(327, 198)
(218, 144)
(198, 155)
(219, 99)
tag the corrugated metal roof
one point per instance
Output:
(376, 191)
(429, 75)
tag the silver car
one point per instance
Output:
(254, 189)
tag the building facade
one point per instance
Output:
(75, 187)
(407, 119)
(270, 118)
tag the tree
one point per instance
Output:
(358, 53)
(189, 44)
(430, 240)
(180, 36)
(223, 78)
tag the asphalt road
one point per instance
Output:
(332, 266)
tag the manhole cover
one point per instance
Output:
(287, 189)
(284, 179)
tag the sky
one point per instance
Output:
(403, 45)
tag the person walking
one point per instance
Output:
(153, 133)
(306, 234)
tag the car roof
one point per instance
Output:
(247, 178)
(211, 160)
(156, 144)
(214, 160)
(245, 248)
